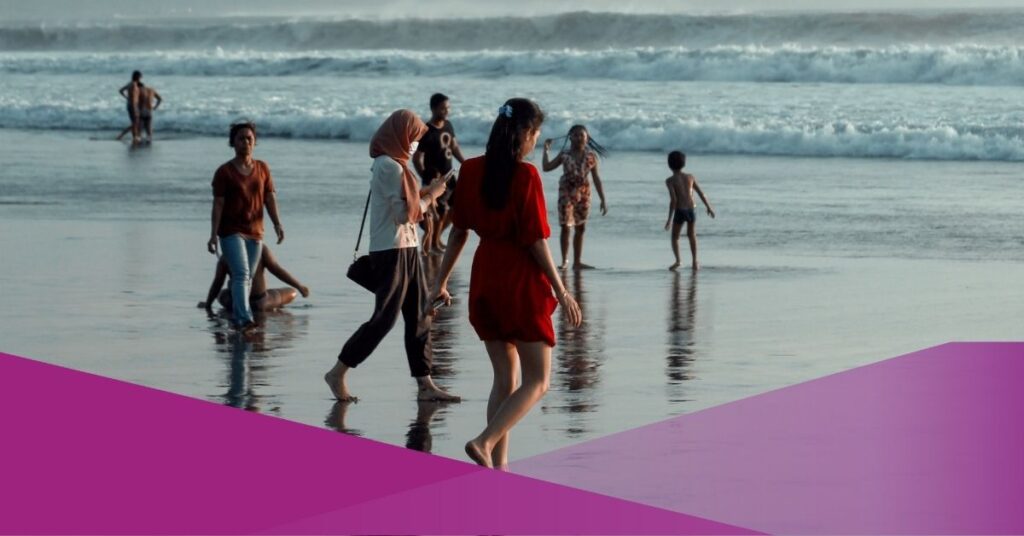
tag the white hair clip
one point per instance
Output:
(505, 110)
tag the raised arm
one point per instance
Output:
(124, 91)
(597, 185)
(218, 209)
(672, 202)
(547, 165)
(271, 202)
(711, 211)
(158, 98)
(540, 252)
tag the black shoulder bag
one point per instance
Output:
(361, 269)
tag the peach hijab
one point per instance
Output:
(393, 139)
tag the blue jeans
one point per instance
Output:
(242, 254)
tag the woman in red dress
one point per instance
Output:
(510, 289)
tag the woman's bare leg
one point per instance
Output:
(505, 362)
(535, 360)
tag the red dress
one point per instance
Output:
(510, 297)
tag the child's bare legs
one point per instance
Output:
(535, 359)
(577, 248)
(564, 242)
(691, 233)
(676, 230)
(439, 226)
(275, 298)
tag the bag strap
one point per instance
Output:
(355, 254)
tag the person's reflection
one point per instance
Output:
(249, 357)
(578, 360)
(682, 313)
(336, 418)
(419, 437)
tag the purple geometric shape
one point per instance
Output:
(85, 454)
(929, 442)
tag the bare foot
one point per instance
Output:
(435, 393)
(477, 454)
(564, 265)
(581, 266)
(674, 266)
(696, 267)
(304, 290)
(336, 382)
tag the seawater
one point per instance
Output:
(926, 85)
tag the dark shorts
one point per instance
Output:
(688, 215)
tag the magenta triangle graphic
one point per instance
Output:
(85, 454)
(927, 443)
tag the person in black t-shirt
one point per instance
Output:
(433, 159)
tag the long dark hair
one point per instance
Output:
(515, 119)
(593, 145)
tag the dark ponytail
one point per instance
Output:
(515, 119)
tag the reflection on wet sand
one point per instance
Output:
(419, 437)
(335, 419)
(250, 357)
(682, 314)
(578, 358)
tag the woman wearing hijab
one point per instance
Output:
(396, 205)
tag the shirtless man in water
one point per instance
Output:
(147, 96)
(131, 92)
(261, 298)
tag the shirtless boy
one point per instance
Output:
(682, 206)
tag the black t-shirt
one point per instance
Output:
(436, 145)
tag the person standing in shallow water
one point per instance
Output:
(510, 289)
(396, 205)
(241, 188)
(131, 92)
(682, 208)
(433, 159)
(578, 163)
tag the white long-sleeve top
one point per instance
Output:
(389, 225)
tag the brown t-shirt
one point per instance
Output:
(243, 198)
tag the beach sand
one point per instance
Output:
(104, 261)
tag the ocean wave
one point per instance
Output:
(793, 137)
(955, 65)
(583, 30)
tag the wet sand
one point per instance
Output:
(105, 260)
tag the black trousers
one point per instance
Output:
(402, 287)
